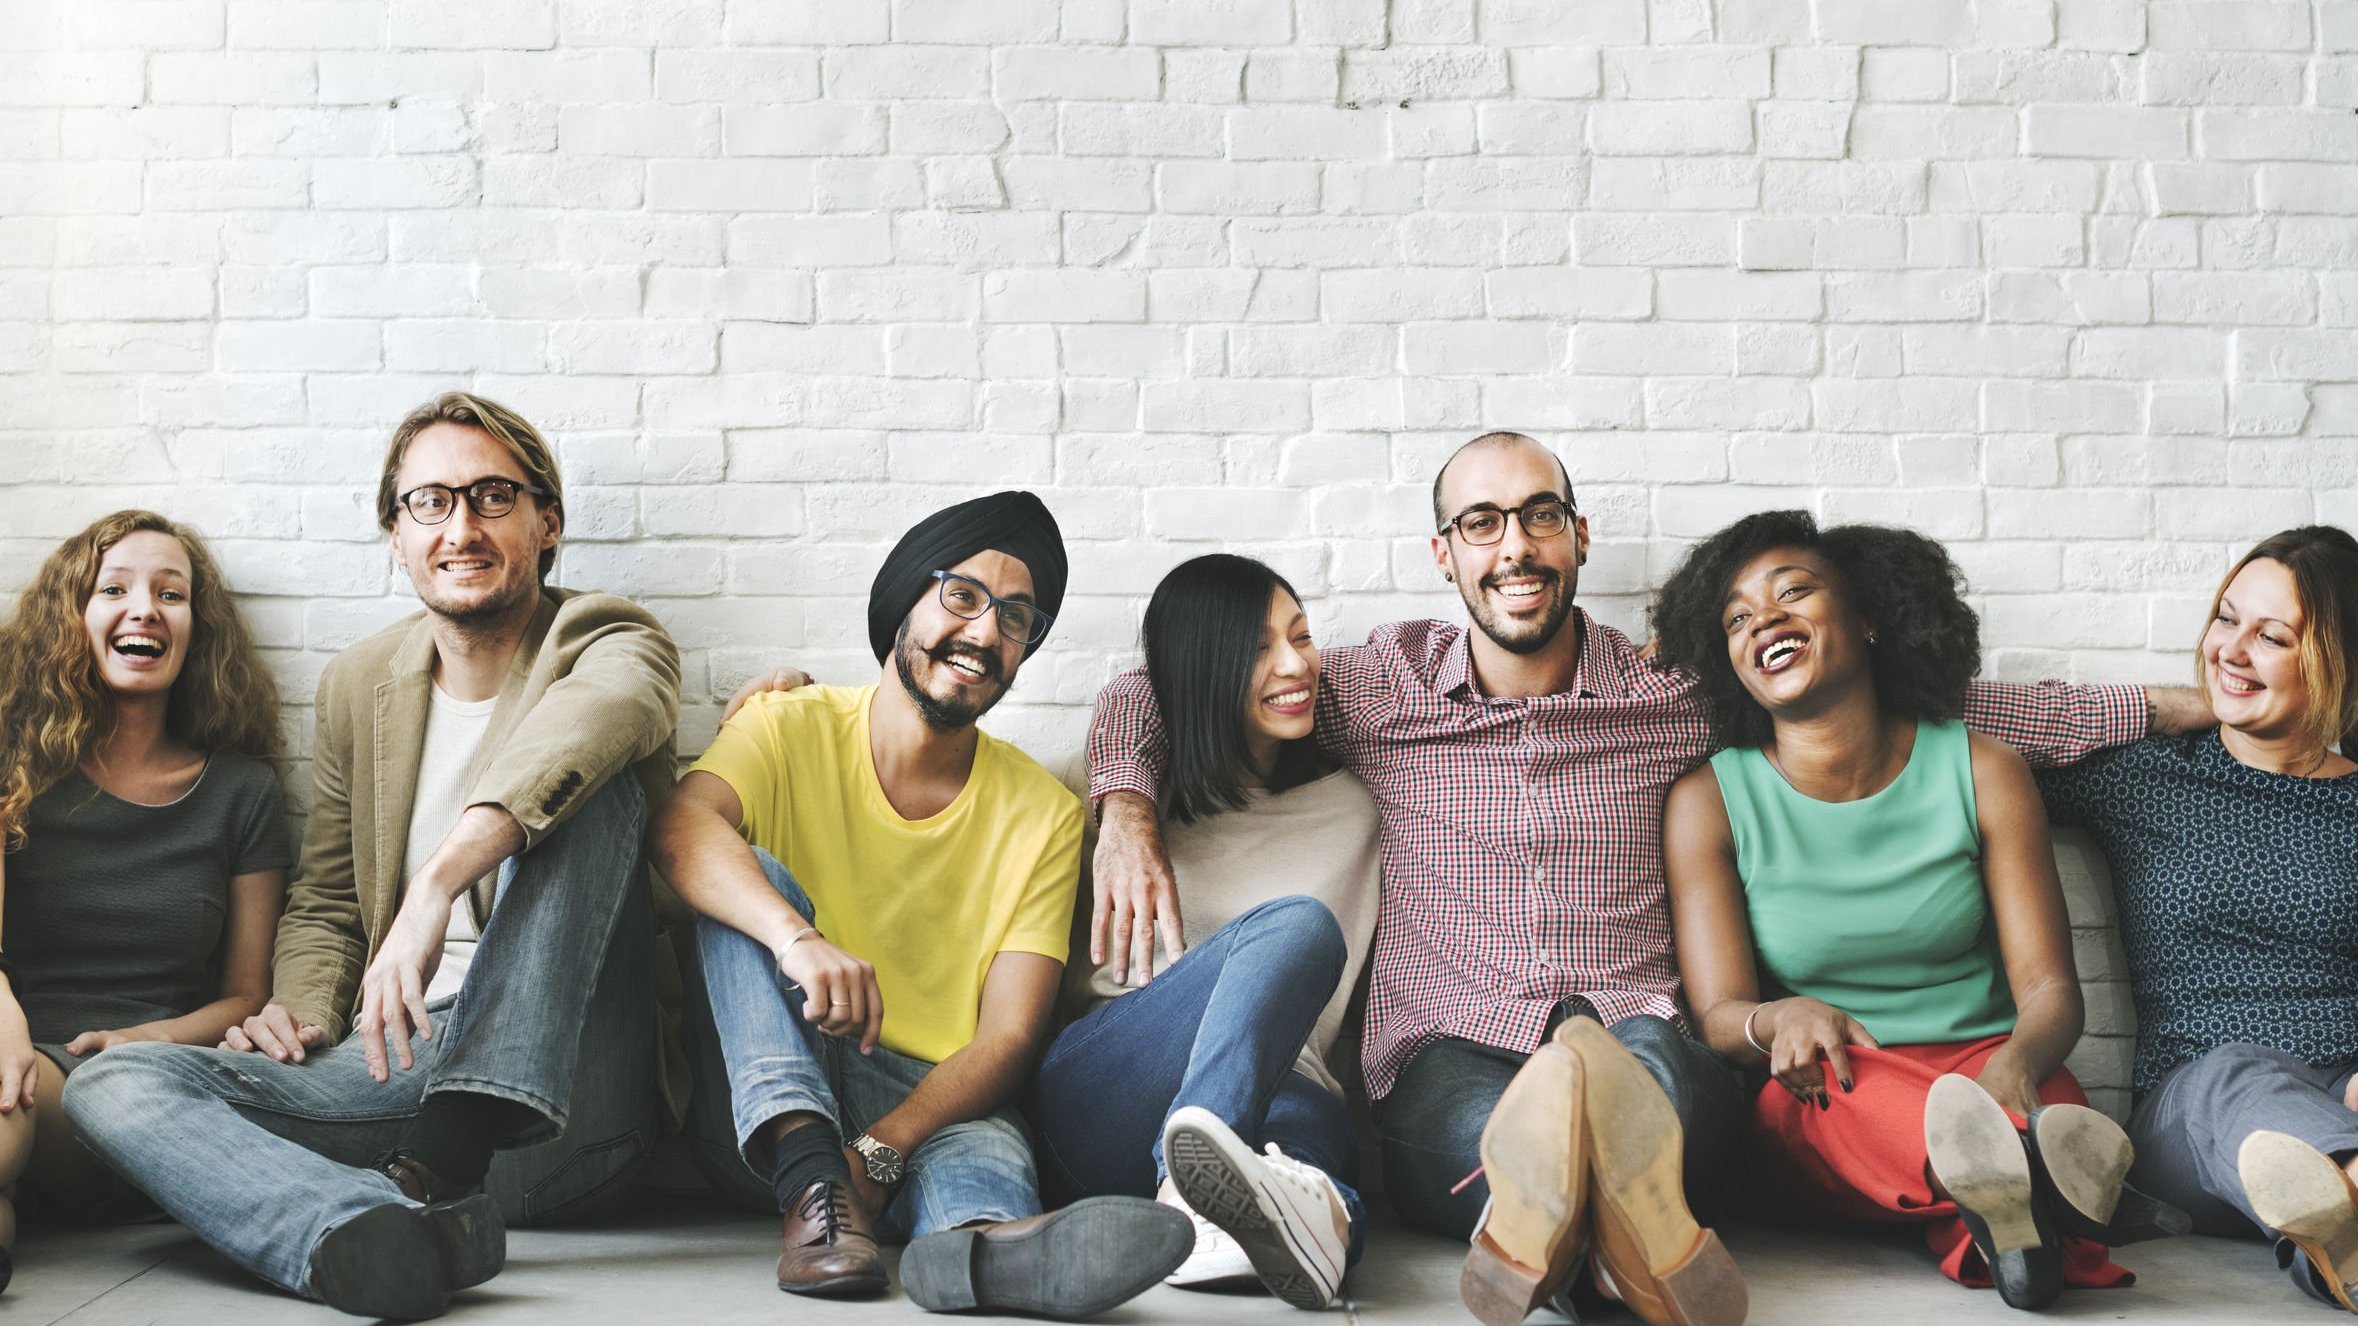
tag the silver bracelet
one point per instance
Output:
(1749, 1039)
(787, 947)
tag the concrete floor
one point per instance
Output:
(684, 1260)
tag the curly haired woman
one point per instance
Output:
(146, 846)
(1886, 874)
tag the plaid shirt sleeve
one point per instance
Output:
(2054, 723)
(1128, 749)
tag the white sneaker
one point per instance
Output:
(1287, 1217)
(1216, 1263)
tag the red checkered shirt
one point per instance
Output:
(1522, 838)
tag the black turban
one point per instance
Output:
(1015, 523)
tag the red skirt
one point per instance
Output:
(1863, 1157)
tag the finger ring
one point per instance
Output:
(839, 1003)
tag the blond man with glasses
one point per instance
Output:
(463, 1025)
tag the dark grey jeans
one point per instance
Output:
(1432, 1121)
(261, 1158)
(2188, 1130)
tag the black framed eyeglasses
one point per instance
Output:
(1542, 517)
(489, 499)
(1023, 622)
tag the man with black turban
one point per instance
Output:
(887, 894)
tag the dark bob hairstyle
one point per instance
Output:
(1203, 633)
(1928, 643)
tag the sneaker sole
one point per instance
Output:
(2300, 1193)
(1533, 1156)
(1086, 1259)
(1214, 1184)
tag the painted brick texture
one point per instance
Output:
(2071, 285)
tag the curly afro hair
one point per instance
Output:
(1928, 643)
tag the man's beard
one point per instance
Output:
(486, 613)
(943, 715)
(1517, 637)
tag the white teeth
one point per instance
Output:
(966, 667)
(1288, 699)
(146, 646)
(1519, 591)
(1778, 652)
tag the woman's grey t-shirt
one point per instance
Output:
(1319, 840)
(115, 910)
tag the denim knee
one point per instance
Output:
(1302, 925)
(1650, 1038)
(115, 1089)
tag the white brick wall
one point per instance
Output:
(2073, 285)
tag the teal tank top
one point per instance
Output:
(1875, 906)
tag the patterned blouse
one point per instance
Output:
(2238, 894)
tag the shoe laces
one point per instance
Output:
(1302, 1177)
(827, 1205)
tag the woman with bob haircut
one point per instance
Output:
(1866, 906)
(2235, 860)
(146, 845)
(1207, 1088)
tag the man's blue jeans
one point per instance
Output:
(261, 1158)
(1219, 1029)
(776, 1063)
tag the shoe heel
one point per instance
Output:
(1707, 1289)
(1498, 1290)
(937, 1271)
(2086, 1157)
(1982, 1162)
(1533, 1151)
(2299, 1192)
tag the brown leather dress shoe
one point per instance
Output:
(417, 1181)
(827, 1249)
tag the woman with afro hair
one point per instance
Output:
(1867, 908)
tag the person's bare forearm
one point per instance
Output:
(2046, 1026)
(2179, 709)
(204, 1026)
(713, 871)
(484, 836)
(971, 1083)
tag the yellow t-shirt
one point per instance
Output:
(930, 902)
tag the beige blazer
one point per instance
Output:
(594, 690)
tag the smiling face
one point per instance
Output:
(1284, 688)
(139, 616)
(472, 571)
(1518, 590)
(2251, 653)
(1792, 636)
(955, 668)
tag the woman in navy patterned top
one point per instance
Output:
(2235, 855)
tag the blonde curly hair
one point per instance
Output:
(54, 706)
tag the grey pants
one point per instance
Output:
(2189, 1128)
